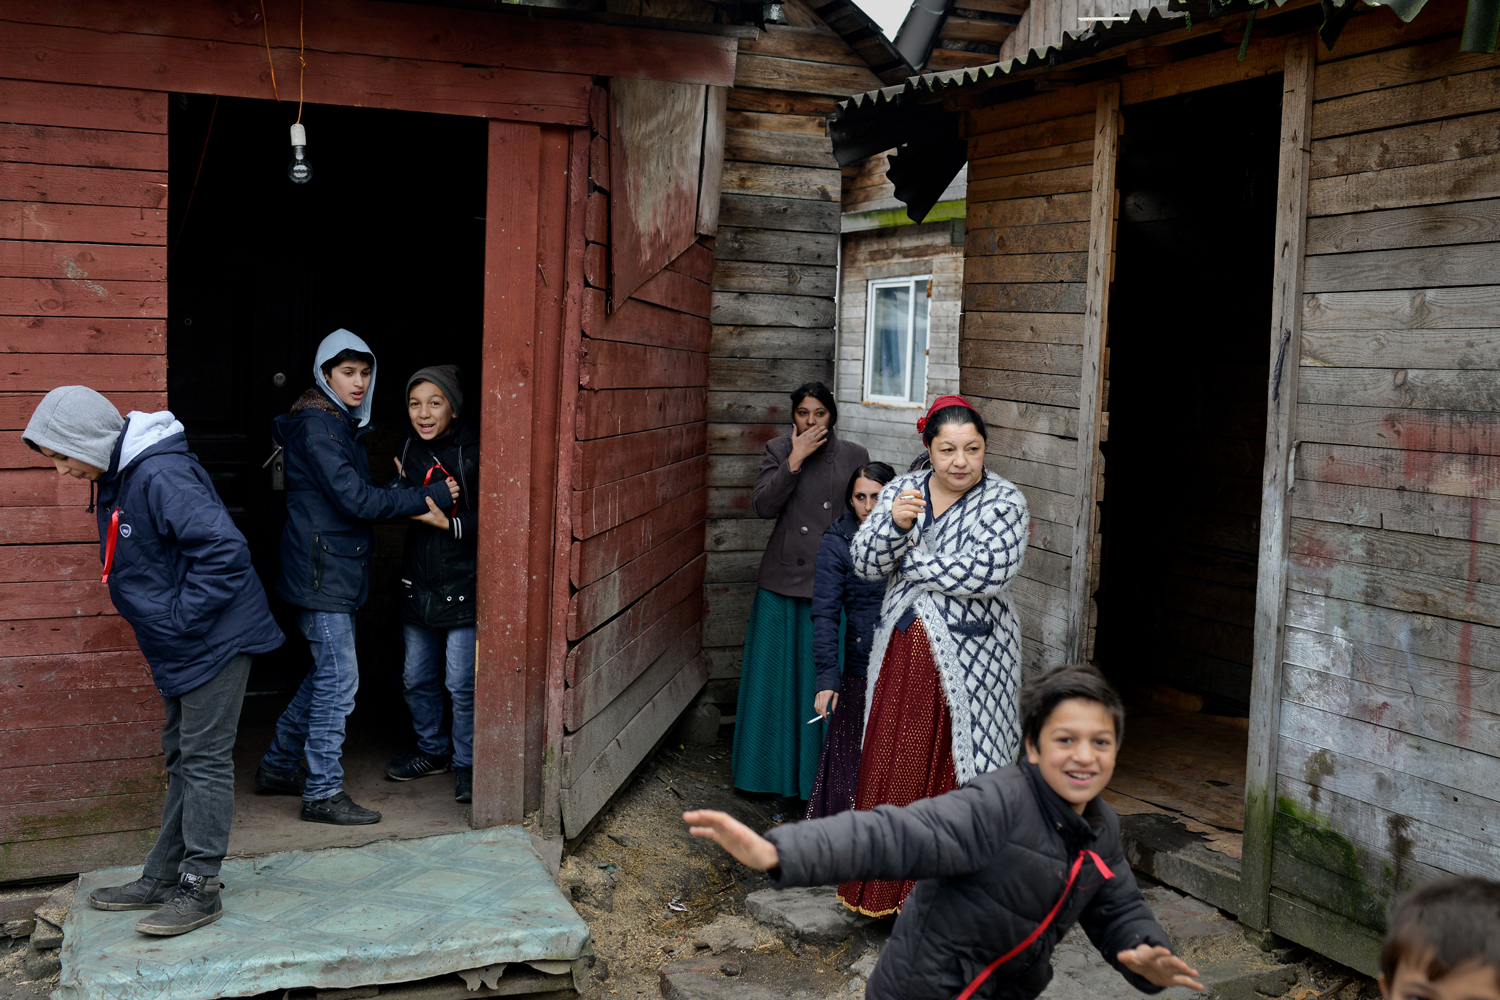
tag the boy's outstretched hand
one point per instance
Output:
(735, 837)
(1159, 966)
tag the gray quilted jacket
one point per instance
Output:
(993, 858)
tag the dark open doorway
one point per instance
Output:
(1188, 327)
(387, 240)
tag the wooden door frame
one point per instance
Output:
(534, 238)
(1275, 508)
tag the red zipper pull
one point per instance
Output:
(109, 544)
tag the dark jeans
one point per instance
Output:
(198, 740)
(312, 727)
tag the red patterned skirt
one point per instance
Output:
(908, 752)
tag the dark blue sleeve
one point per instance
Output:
(830, 577)
(187, 513)
(342, 486)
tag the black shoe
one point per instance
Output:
(463, 784)
(195, 902)
(144, 893)
(290, 782)
(416, 765)
(339, 810)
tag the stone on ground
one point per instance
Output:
(807, 916)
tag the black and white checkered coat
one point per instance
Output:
(954, 573)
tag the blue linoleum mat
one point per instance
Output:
(384, 913)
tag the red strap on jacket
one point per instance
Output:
(1046, 921)
(436, 465)
(109, 544)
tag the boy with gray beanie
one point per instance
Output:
(179, 572)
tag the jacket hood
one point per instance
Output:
(846, 525)
(144, 431)
(343, 340)
(75, 421)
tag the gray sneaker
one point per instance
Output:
(144, 893)
(194, 902)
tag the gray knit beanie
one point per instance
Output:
(77, 422)
(446, 378)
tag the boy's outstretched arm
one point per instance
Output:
(747, 846)
(1159, 966)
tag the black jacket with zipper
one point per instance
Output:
(439, 569)
(992, 858)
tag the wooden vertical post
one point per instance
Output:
(508, 387)
(1091, 387)
(1281, 419)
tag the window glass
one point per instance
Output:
(896, 341)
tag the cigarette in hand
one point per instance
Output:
(816, 718)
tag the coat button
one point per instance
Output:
(448, 599)
(460, 597)
(801, 562)
(804, 529)
(826, 505)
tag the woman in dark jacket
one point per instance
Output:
(801, 483)
(439, 574)
(840, 597)
(325, 569)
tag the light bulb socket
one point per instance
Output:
(299, 135)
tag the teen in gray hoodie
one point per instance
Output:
(179, 572)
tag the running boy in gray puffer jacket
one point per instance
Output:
(1007, 863)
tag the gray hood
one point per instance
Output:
(75, 421)
(343, 340)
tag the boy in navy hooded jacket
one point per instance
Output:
(179, 572)
(325, 569)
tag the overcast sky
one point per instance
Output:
(887, 13)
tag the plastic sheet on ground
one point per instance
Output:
(390, 912)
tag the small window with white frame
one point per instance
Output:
(896, 340)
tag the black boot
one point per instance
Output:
(290, 782)
(195, 902)
(339, 810)
(463, 784)
(145, 893)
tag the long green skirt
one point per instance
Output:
(774, 749)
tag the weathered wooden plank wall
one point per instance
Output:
(83, 234)
(639, 481)
(773, 293)
(1021, 342)
(890, 432)
(1390, 716)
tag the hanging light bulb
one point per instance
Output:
(299, 170)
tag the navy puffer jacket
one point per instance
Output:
(836, 588)
(181, 573)
(330, 502)
(992, 858)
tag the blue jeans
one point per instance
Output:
(427, 649)
(313, 724)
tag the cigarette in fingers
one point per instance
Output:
(817, 718)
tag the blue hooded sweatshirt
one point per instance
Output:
(330, 498)
(181, 573)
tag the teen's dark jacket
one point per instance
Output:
(440, 568)
(181, 574)
(330, 502)
(835, 589)
(992, 858)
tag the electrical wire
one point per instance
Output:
(189, 207)
(265, 25)
(302, 48)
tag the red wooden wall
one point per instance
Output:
(639, 479)
(83, 232)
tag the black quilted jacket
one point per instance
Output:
(992, 857)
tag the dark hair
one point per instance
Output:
(877, 472)
(821, 393)
(1042, 696)
(347, 355)
(1447, 924)
(957, 415)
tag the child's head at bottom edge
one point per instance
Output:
(1444, 943)
(1072, 721)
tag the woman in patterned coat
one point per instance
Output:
(945, 664)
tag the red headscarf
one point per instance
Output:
(941, 403)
